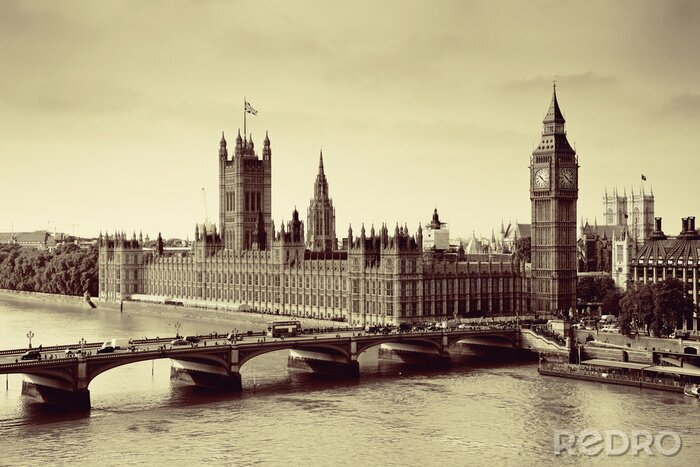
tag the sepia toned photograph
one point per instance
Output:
(352, 233)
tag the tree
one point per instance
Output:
(610, 304)
(593, 289)
(585, 289)
(636, 309)
(523, 247)
(658, 309)
(67, 270)
(672, 307)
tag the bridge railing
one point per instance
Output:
(548, 334)
(51, 348)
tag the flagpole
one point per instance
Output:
(244, 112)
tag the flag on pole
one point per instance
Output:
(644, 179)
(249, 108)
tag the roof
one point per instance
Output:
(39, 236)
(613, 364)
(676, 249)
(676, 370)
(604, 231)
(523, 230)
(554, 114)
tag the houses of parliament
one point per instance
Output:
(387, 275)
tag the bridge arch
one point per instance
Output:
(495, 339)
(425, 341)
(63, 378)
(96, 368)
(245, 355)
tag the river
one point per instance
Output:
(477, 413)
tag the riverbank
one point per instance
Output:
(156, 309)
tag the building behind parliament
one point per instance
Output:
(382, 276)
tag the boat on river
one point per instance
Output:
(692, 390)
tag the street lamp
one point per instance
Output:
(177, 329)
(82, 344)
(30, 334)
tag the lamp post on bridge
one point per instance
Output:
(30, 334)
(82, 343)
(177, 329)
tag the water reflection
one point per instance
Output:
(477, 412)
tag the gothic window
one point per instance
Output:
(247, 201)
(610, 220)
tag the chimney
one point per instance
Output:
(685, 225)
(692, 223)
(657, 220)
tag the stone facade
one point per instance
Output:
(320, 223)
(553, 194)
(636, 212)
(374, 278)
(661, 257)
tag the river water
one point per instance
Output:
(477, 413)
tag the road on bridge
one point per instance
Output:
(141, 345)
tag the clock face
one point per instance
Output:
(542, 178)
(567, 179)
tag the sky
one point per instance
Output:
(111, 112)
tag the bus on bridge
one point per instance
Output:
(284, 328)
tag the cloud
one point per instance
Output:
(577, 80)
(682, 106)
(63, 96)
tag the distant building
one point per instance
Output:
(510, 234)
(594, 247)
(636, 212)
(661, 257)
(374, 278)
(628, 220)
(320, 224)
(437, 234)
(39, 239)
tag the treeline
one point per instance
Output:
(655, 308)
(601, 290)
(67, 270)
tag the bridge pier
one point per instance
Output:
(324, 363)
(206, 376)
(414, 355)
(36, 392)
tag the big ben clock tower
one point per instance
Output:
(553, 193)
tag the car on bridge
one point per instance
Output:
(176, 342)
(106, 349)
(192, 339)
(73, 352)
(31, 355)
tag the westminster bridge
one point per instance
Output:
(63, 378)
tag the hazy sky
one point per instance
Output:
(111, 111)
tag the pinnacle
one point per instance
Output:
(554, 114)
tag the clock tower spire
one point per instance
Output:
(553, 195)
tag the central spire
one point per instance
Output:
(554, 114)
(553, 123)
